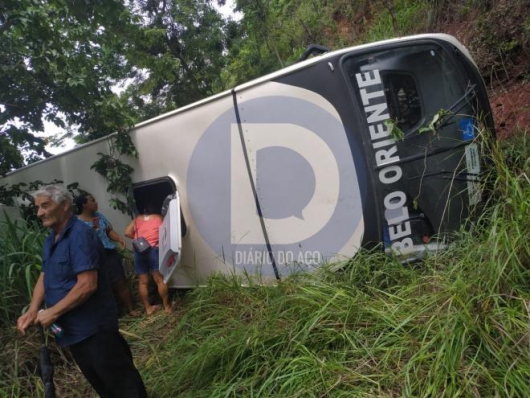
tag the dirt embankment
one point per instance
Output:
(510, 103)
(498, 37)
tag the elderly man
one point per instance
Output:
(78, 298)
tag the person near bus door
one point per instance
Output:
(146, 225)
(87, 210)
(78, 297)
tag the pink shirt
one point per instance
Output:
(148, 229)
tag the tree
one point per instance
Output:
(274, 33)
(58, 62)
(180, 57)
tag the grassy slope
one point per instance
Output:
(457, 326)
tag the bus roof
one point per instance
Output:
(271, 76)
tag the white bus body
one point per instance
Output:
(299, 167)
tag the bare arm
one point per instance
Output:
(87, 283)
(115, 237)
(129, 231)
(30, 315)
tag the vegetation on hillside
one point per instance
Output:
(458, 325)
(60, 62)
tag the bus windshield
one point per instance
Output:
(421, 116)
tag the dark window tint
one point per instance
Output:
(418, 81)
(403, 99)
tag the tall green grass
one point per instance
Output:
(457, 326)
(20, 264)
(411, 17)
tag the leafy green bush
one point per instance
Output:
(20, 264)
(398, 18)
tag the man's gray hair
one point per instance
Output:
(57, 193)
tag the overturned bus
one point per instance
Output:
(373, 144)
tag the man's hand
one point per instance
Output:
(46, 317)
(26, 320)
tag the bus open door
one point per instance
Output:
(170, 239)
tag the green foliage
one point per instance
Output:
(516, 151)
(116, 173)
(436, 121)
(457, 326)
(20, 263)
(179, 56)
(395, 132)
(275, 33)
(497, 33)
(58, 61)
(398, 18)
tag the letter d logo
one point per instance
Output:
(297, 156)
(296, 177)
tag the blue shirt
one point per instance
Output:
(102, 230)
(77, 249)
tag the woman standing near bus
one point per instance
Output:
(87, 210)
(146, 225)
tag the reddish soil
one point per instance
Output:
(510, 104)
(486, 34)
